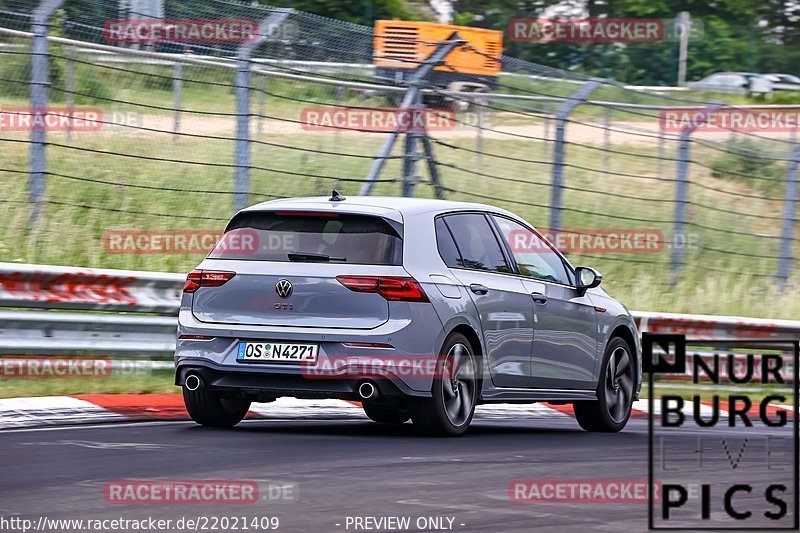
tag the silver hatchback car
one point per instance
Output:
(419, 309)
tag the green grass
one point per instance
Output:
(156, 383)
(711, 281)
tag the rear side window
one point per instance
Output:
(477, 243)
(310, 237)
(446, 245)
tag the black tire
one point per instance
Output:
(386, 415)
(435, 416)
(208, 408)
(612, 409)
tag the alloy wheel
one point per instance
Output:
(458, 384)
(619, 384)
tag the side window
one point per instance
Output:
(477, 243)
(446, 245)
(533, 255)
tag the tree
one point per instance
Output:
(737, 35)
(351, 11)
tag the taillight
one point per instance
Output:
(206, 278)
(401, 289)
(393, 288)
(196, 338)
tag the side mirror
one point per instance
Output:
(588, 278)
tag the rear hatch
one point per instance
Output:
(285, 264)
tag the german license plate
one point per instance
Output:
(268, 352)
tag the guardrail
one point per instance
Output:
(720, 328)
(124, 314)
(112, 335)
(133, 314)
(57, 287)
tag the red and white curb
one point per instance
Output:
(95, 408)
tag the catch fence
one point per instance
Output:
(173, 136)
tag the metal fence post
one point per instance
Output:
(681, 192)
(241, 181)
(546, 130)
(410, 158)
(606, 138)
(177, 88)
(241, 184)
(337, 133)
(262, 102)
(40, 79)
(566, 107)
(69, 85)
(787, 224)
(433, 170)
(479, 133)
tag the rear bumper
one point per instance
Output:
(243, 380)
(413, 344)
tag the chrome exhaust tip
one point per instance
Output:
(367, 391)
(193, 382)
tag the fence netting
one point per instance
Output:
(141, 139)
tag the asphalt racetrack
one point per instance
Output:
(343, 469)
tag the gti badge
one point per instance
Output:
(283, 288)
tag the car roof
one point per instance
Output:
(377, 205)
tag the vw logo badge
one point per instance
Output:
(283, 288)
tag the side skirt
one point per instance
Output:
(511, 395)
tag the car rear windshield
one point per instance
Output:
(309, 237)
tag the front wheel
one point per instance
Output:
(208, 408)
(612, 409)
(455, 391)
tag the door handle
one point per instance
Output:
(539, 298)
(477, 288)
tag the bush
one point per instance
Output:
(746, 163)
(15, 76)
(90, 89)
(786, 97)
(162, 80)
